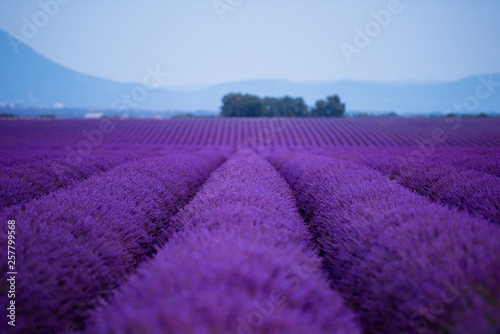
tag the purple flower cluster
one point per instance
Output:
(477, 159)
(405, 264)
(22, 181)
(240, 261)
(78, 244)
(460, 179)
(476, 192)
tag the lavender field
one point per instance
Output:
(355, 225)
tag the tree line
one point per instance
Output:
(239, 105)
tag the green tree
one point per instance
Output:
(320, 109)
(272, 107)
(294, 107)
(335, 107)
(332, 107)
(230, 105)
(251, 106)
(238, 105)
(285, 107)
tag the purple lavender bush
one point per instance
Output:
(78, 244)
(473, 191)
(240, 261)
(486, 160)
(405, 264)
(23, 182)
(452, 177)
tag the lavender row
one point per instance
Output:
(23, 182)
(406, 265)
(240, 261)
(455, 177)
(473, 191)
(76, 245)
(486, 160)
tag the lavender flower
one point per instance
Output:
(405, 264)
(78, 244)
(456, 178)
(240, 262)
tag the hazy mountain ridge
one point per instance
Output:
(30, 79)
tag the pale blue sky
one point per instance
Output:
(298, 40)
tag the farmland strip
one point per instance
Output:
(22, 183)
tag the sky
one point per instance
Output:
(204, 42)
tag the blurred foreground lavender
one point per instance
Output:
(313, 226)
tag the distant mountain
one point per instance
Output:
(30, 79)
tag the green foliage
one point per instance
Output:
(332, 107)
(238, 105)
(285, 107)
